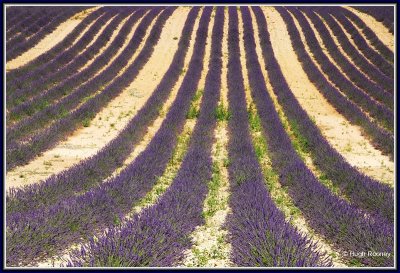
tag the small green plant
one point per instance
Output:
(193, 112)
(227, 162)
(86, 122)
(116, 220)
(74, 226)
(348, 147)
(222, 113)
(254, 119)
(47, 163)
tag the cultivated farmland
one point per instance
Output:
(180, 136)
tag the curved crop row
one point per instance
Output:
(14, 15)
(339, 222)
(259, 234)
(16, 24)
(93, 170)
(21, 47)
(51, 54)
(31, 25)
(63, 74)
(381, 139)
(165, 227)
(363, 191)
(362, 63)
(39, 80)
(72, 90)
(81, 216)
(362, 45)
(21, 153)
(353, 72)
(381, 14)
(61, 58)
(371, 36)
(43, 71)
(380, 113)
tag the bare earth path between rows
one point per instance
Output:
(50, 40)
(58, 261)
(380, 30)
(210, 248)
(346, 138)
(112, 119)
(297, 220)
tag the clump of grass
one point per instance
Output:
(86, 122)
(47, 163)
(254, 119)
(222, 113)
(278, 193)
(194, 110)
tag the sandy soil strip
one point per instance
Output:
(110, 120)
(350, 38)
(338, 45)
(308, 50)
(306, 156)
(210, 248)
(110, 61)
(173, 166)
(151, 198)
(359, 30)
(326, 51)
(179, 153)
(152, 130)
(278, 193)
(380, 30)
(113, 35)
(50, 40)
(346, 138)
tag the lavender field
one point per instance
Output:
(200, 136)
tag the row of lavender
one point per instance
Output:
(362, 190)
(70, 219)
(38, 80)
(357, 57)
(94, 169)
(259, 234)
(68, 78)
(370, 34)
(252, 245)
(342, 224)
(382, 114)
(64, 122)
(55, 51)
(382, 139)
(380, 13)
(373, 56)
(374, 89)
(261, 255)
(164, 228)
(20, 19)
(39, 29)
